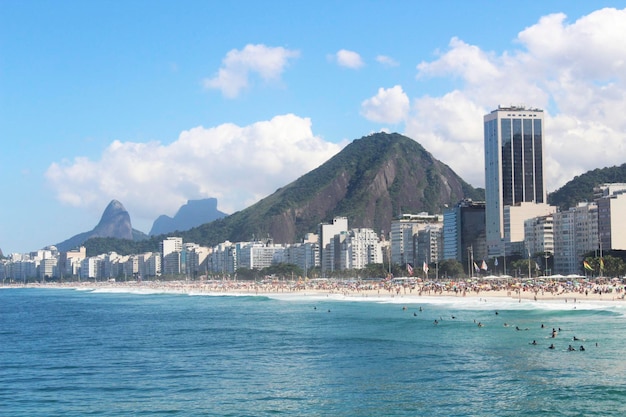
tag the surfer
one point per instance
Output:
(534, 342)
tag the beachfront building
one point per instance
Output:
(172, 262)
(48, 269)
(539, 238)
(305, 254)
(362, 247)
(111, 265)
(429, 245)
(464, 232)
(513, 140)
(514, 219)
(326, 233)
(403, 236)
(575, 234)
(223, 258)
(149, 265)
(259, 255)
(611, 216)
(91, 268)
(196, 259)
(69, 262)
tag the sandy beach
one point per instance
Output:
(600, 290)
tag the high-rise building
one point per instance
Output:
(611, 220)
(575, 235)
(403, 233)
(326, 234)
(513, 168)
(464, 232)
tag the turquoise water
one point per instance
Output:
(77, 353)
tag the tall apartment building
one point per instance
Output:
(305, 254)
(464, 232)
(259, 255)
(612, 216)
(172, 256)
(513, 138)
(362, 247)
(403, 236)
(223, 258)
(575, 234)
(429, 244)
(539, 237)
(326, 234)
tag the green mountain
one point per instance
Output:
(580, 188)
(371, 181)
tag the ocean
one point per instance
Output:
(66, 352)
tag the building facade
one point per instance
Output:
(464, 236)
(513, 139)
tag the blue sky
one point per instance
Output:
(154, 103)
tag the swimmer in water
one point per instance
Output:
(551, 346)
(534, 342)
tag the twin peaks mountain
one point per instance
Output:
(371, 181)
(115, 222)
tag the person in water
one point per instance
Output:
(582, 348)
(551, 346)
(534, 342)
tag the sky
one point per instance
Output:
(154, 103)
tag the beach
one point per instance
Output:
(531, 290)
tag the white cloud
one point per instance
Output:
(349, 59)
(268, 62)
(388, 106)
(237, 165)
(386, 61)
(575, 71)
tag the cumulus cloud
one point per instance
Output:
(388, 106)
(238, 65)
(349, 59)
(237, 165)
(575, 71)
(386, 61)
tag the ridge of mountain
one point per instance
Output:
(193, 213)
(371, 181)
(580, 188)
(114, 223)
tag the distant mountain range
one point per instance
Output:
(371, 181)
(114, 223)
(192, 214)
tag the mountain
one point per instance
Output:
(580, 188)
(114, 223)
(371, 181)
(192, 214)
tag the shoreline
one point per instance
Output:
(382, 290)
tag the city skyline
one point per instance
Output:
(154, 104)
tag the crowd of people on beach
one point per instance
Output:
(531, 289)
